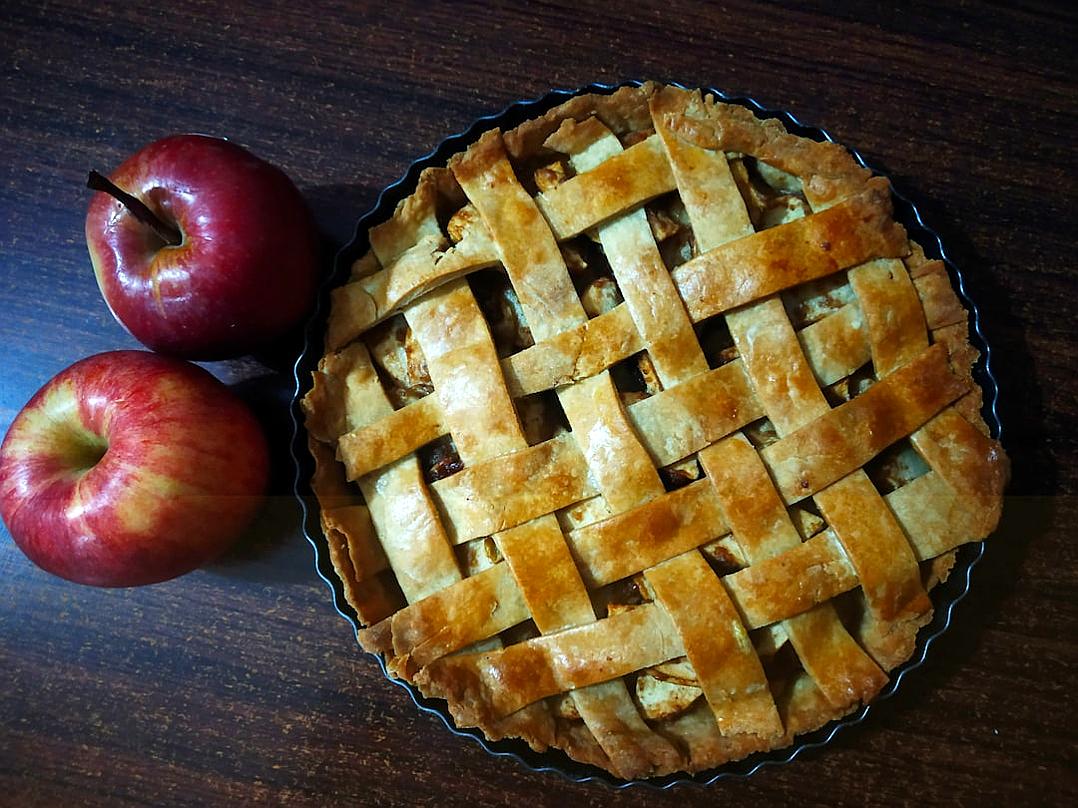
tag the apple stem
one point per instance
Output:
(99, 182)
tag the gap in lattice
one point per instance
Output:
(620, 595)
(542, 172)
(782, 669)
(521, 632)
(771, 196)
(810, 302)
(477, 555)
(716, 341)
(501, 308)
(680, 474)
(897, 465)
(439, 459)
(635, 378)
(665, 691)
(723, 555)
(671, 229)
(541, 416)
(398, 361)
(761, 433)
(806, 519)
(851, 386)
(851, 610)
(591, 274)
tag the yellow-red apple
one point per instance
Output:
(129, 468)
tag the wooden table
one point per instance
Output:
(239, 684)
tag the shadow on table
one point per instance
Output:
(337, 208)
(270, 549)
(273, 549)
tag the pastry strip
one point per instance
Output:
(941, 304)
(727, 668)
(781, 377)
(629, 179)
(403, 514)
(574, 354)
(793, 582)
(476, 608)
(376, 297)
(412, 222)
(410, 529)
(619, 464)
(885, 564)
(398, 434)
(345, 394)
(674, 423)
(971, 463)
(507, 491)
(895, 319)
(706, 186)
(364, 551)
(836, 346)
(934, 517)
(828, 448)
(704, 182)
(759, 265)
(463, 366)
(557, 601)
(647, 535)
(354, 551)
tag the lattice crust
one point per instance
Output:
(642, 430)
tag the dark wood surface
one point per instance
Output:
(239, 683)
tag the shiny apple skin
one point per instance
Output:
(183, 474)
(246, 271)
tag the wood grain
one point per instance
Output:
(238, 683)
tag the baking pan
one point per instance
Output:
(945, 597)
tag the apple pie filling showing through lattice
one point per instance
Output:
(642, 431)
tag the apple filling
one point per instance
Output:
(399, 361)
(772, 197)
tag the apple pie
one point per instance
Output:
(643, 430)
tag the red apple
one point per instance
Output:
(231, 262)
(130, 468)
